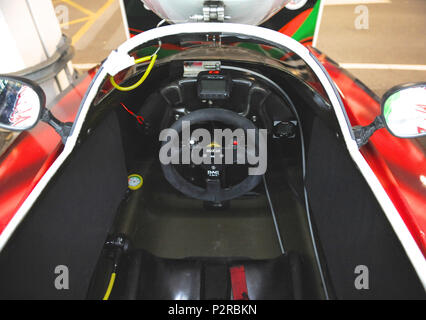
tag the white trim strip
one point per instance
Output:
(124, 17)
(412, 250)
(318, 25)
(379, 66)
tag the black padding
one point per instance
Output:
(215, 283)
(274, 279)
(161, 279)
(69, 223)
(352, 228)
(151, 278)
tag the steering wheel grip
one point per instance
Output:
(218, 195)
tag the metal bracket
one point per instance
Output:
(212, 11)
(62, 128)
(363, 134)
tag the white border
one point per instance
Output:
(280, 40)
(317, 26)
(124, 17)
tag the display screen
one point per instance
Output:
(213, 86)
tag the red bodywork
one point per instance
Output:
(398, 163)
(32, 153)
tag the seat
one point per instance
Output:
(147, 277)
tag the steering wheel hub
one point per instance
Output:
(213, 157)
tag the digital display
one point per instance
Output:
(213, 86)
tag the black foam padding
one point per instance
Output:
(152, 278)
(69, 223)
(351, 226)
(162, 279)
(215, 282)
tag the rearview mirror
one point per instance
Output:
(404, 110)
(21, 103)
(403, 114)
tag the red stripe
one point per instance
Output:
(291, 27)
(135, 30)
(239, 283)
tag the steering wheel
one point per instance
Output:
(213, 191)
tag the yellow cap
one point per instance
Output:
(135, 181)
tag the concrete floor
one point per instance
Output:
(395, 35)
(95, 28)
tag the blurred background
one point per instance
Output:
(389, 51)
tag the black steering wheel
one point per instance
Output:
(213, 191)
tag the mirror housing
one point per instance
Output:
(404, 110)
(21, 103)
(403, 114)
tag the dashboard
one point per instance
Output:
(241, 94)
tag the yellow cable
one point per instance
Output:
(145, 75)
(110, 286)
